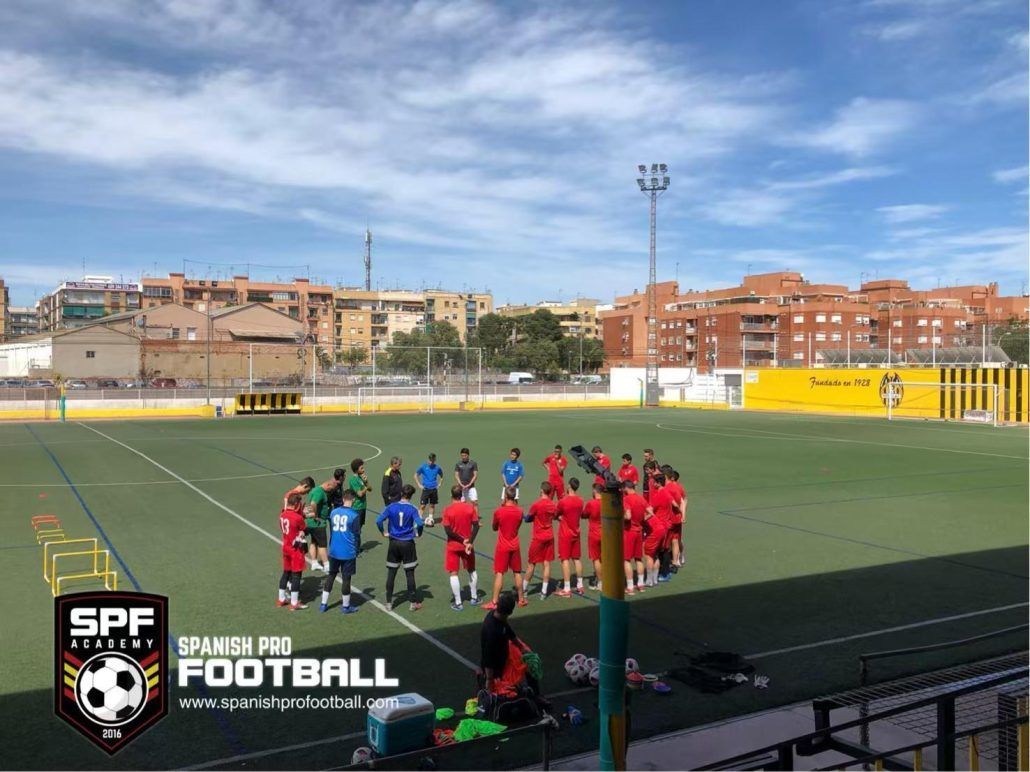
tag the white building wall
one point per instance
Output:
(16, 359)
(684, 384)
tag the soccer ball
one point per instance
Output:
(592, 662)
(429, 521)
(570, 663)
(581, 658)
(595, 676)
(632, 666)
(578, 674)
(110, 689)
(361, 755)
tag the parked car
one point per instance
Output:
(163, 383)
(108, 383)
(76, 384)
(42, 383)
(517, 378)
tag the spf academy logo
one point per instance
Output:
(891, 388)
(111, 660)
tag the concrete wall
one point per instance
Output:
(185, 360)
(96, 352)
(679, 384)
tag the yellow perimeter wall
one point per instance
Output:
(864, 392)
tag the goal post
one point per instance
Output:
(931, 400)
(402, 399)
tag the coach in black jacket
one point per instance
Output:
(393, 482)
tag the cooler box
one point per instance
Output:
(404, 724)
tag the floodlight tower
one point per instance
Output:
(653, 185)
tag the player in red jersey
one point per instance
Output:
(291, 523)
(650, 468)
(602, 459)
(637, 511)
(655, 533)
(679, 495)
(555, 464)
(541, 546)
(461, 524)
(570, 510)
(665, 507)
(627, 471)
(303, 487)
(508, 552)
(592, 513)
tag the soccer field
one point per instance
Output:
(809, 541)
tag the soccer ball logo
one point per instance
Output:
(111, 689)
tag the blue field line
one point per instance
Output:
(738, 514)
(643, 620)
(201, 687)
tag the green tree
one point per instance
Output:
(539, 357)
(353, 356)
(539, 326)
(1013, 340)
(493, 335)
(571, 348)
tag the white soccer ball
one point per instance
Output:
(361, 755)
(632, 666)
(570, 663)
(592, 662)
(110, 689)
(595, 676)
(581, 658)
(578, 674)
(429, 521)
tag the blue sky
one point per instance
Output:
(495, 145)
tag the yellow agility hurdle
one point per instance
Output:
(46, 535)
(48, 554)
(55, 578)
(110, 580)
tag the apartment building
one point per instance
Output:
(311, 304)
(22, 321)
(461, 309)
(77, 303)
(576, 317)
(783, 319)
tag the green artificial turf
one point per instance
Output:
(800, 531)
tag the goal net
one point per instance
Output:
(971, 402)
(406, 399)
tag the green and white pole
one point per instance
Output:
(614, 631)
(61, 400)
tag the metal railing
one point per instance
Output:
(823, 739)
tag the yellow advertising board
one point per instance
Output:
(933, 393)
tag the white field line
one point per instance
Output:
(884, 631)
(412, 627)
(761, 434)
(307, 440)
(330, 740)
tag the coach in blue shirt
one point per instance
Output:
(512, 473)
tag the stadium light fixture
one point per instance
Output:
(663, 168)
(642, 169)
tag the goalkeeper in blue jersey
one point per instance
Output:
(344, 543)
(401, 523)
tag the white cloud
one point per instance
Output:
(854, 174)
(862, 127)
(904, 213)
(1015, 174)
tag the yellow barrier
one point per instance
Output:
(110, 580)
(917, 392)
(45, 535)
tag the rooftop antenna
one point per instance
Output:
(368, 257)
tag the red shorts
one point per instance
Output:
(454, 559)
(507, 560)
(568, 547)
(654, 542)
(294, 560)
(632, 545)
(541, 551)
(676, 530)
(557, 488)
(594, 546)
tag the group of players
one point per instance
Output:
(323, 524)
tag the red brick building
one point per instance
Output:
(781, 318)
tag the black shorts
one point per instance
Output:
(430, 496)
(347, 567)
(401, 553)
(318, 536)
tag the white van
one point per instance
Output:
(517, 378)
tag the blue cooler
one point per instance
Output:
(404, 724)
